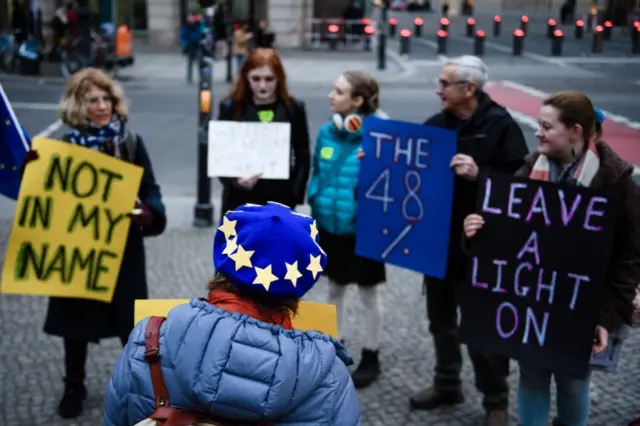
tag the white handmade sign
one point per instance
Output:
(241, 149)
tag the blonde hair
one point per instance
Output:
(363, 84)
(73, 106)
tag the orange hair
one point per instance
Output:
(260, 57)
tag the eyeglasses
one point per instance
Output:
(98, 100)
(257, 79)
(444, 83)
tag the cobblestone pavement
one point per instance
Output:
(179, 265)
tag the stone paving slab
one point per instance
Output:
(179, 265)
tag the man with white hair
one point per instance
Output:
(488, 138)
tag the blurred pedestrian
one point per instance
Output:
(264, 36)
(94, 108)
(571, 153)
(261, 94)
(240, 47)
(191, 34)
(235, 356)
(332, 198)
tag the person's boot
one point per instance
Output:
(432, 398)
(72, 400)
(498, 417)
(368, 370)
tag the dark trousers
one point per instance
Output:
(75, 359)
(491, 371)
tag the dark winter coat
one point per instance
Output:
(495, 142)
(89, 320)
(624, 270)
(290, 192)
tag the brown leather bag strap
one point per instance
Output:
(152, 356)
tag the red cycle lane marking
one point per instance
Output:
(623, 139)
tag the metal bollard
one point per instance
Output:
(556, 43)
(635, 39)
(608, 30)
(405, 40)
(497, 25)
(471, 23)
(524, 24)
(442, 37)
(478, 46)
(551, 27)
(418, 23)
(444, 24)
(393, 26)
(579, 31)
(518, 42)
(369, 32)
(597, 42)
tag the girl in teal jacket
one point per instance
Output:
(332, 197)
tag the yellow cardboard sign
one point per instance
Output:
(311, 315)
(71, 225)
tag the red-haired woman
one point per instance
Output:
(261, 95)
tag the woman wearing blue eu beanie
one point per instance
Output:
(235, 357)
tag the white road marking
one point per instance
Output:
(50, 129)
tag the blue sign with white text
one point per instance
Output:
(405, 194)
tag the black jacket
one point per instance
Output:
(290, 192)
(495, 141)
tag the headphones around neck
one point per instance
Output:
(351, 123)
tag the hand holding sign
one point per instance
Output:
(249, 182)
(464, 166)
(472, 224)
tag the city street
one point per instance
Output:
(163, 111)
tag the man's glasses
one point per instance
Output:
(444, 83)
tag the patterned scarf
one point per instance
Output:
(104, 139)
(580, 173)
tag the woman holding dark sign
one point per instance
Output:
(261, 95)
(94, 107)
(332, 197)
(571, 152)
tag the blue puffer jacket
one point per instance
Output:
(236, 367)
(332, 194)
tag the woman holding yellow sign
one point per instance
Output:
(94, 108)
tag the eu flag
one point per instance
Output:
(14, 144)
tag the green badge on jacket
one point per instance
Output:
(326, 153)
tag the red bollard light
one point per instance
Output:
(369, 31)
(393, 25)
(524, 23)
(579, 32)
(444, 24)
(635, 40)
(405, 37)
(518, 42)
(478, 46)
(442, 36)
(608, 29)
(333, 36)
(497, 25)
(551, 27)
(556, 43)
(471, 23)
(418, 23)
(597, 42)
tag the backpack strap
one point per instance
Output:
(152, 356)
(130, 143)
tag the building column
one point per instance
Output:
(287, 19)
(163, 17)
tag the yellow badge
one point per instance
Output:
(326, 153)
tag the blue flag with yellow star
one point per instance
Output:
(14, 144)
